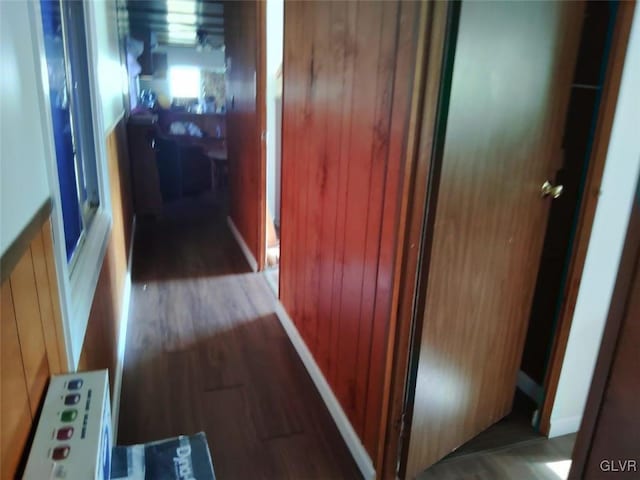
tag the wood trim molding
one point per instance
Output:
(587, 208)
(47, 240)
(411, 18)
(613, 328)
(430, 54)
(251, 260)
(14, 252)
(261, 108)
(122, 339)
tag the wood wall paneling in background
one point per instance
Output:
(144, 171)
(32, 345)
(347, 85)
(100, 347)
(245, 57)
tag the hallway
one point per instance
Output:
(205, 352)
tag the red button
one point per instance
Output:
(60, 453)
(65, 433)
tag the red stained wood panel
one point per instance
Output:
(345, 116)
(399, 128)
(244, 42)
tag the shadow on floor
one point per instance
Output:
(510, 449)
(205, 352)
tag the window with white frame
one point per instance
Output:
(184, 82)
(71, 118)
(75, 142)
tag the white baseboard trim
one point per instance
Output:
(564, 426)
(122, 339)
(269, 277)
(349, 435)
(243, 245)
(530, 388)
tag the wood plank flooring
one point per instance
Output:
(205, 352)
(515, 428)
(537, 459)
(510, 449)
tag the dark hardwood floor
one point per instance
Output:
(205, 352)
(515, 428)
(508, 450)
(536, 459)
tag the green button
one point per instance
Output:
(69, 415)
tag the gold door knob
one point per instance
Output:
(554, 190)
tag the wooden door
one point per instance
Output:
(511, 79)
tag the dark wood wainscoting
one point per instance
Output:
(32, 345)
(101, 340)
(348, 69)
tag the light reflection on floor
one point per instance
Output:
(560, 468)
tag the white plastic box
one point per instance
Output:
(73, 439)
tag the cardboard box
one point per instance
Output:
(179, 458)
(73, 439)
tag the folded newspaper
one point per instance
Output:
(179, 458)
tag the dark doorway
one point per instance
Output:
(579, 129)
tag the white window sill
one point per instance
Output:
(84, 279)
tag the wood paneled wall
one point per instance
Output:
(32, 345)
(100, 346)
(244, 43)
(347, 88)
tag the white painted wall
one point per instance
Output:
(275, 34)
(605, 247)
(112, 79)
(24, 184)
